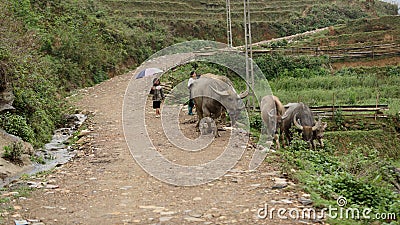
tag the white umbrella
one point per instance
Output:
(148, 72)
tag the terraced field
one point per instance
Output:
(210, 10)
(358, 33)
(206, 19)
(190, 10)
(261, 10)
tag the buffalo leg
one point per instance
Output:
(199, 112)
(289, 137)
(223, 116)
(321, 143)
(282, 137)
(215, 117)
(312, 145)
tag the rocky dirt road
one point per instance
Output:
(105, 185)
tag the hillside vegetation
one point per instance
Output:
(206, 19)
(50, 48)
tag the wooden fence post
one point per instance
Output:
(373, 52)
(376, 105)
(333, 106)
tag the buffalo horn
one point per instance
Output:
(296, 123)
(284, 116)
(223, 93)
(270, 113)
(245, 93)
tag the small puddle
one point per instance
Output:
(54, 153)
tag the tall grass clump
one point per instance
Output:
(307, 79)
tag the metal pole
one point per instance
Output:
(246, 39)
(249, 50)
(229, 23)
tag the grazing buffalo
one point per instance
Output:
(211, 96)
(301, 116)
(224, 79)
(271, 114)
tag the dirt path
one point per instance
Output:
(105, 185)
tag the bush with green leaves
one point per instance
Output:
(363, 177)
(14, 151)
(279, 65)
(17, 125)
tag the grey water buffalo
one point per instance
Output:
(272, 111)
(211, 96)
(301, 116)
(224, 79)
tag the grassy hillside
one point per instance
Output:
(207, 19)
(361, 32)
(50, 48)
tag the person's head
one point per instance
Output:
(156, 81)
(193, 74)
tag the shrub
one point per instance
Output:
(279, 65)
(17, 125)
(14, 151)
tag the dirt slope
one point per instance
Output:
(104, 184)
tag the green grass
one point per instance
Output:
(361, 175)
(344, 87)
(386, 142)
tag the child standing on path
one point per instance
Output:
(158, 96)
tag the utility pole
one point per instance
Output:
(249, 51)
(229, 23)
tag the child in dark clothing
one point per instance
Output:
(158, 96)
